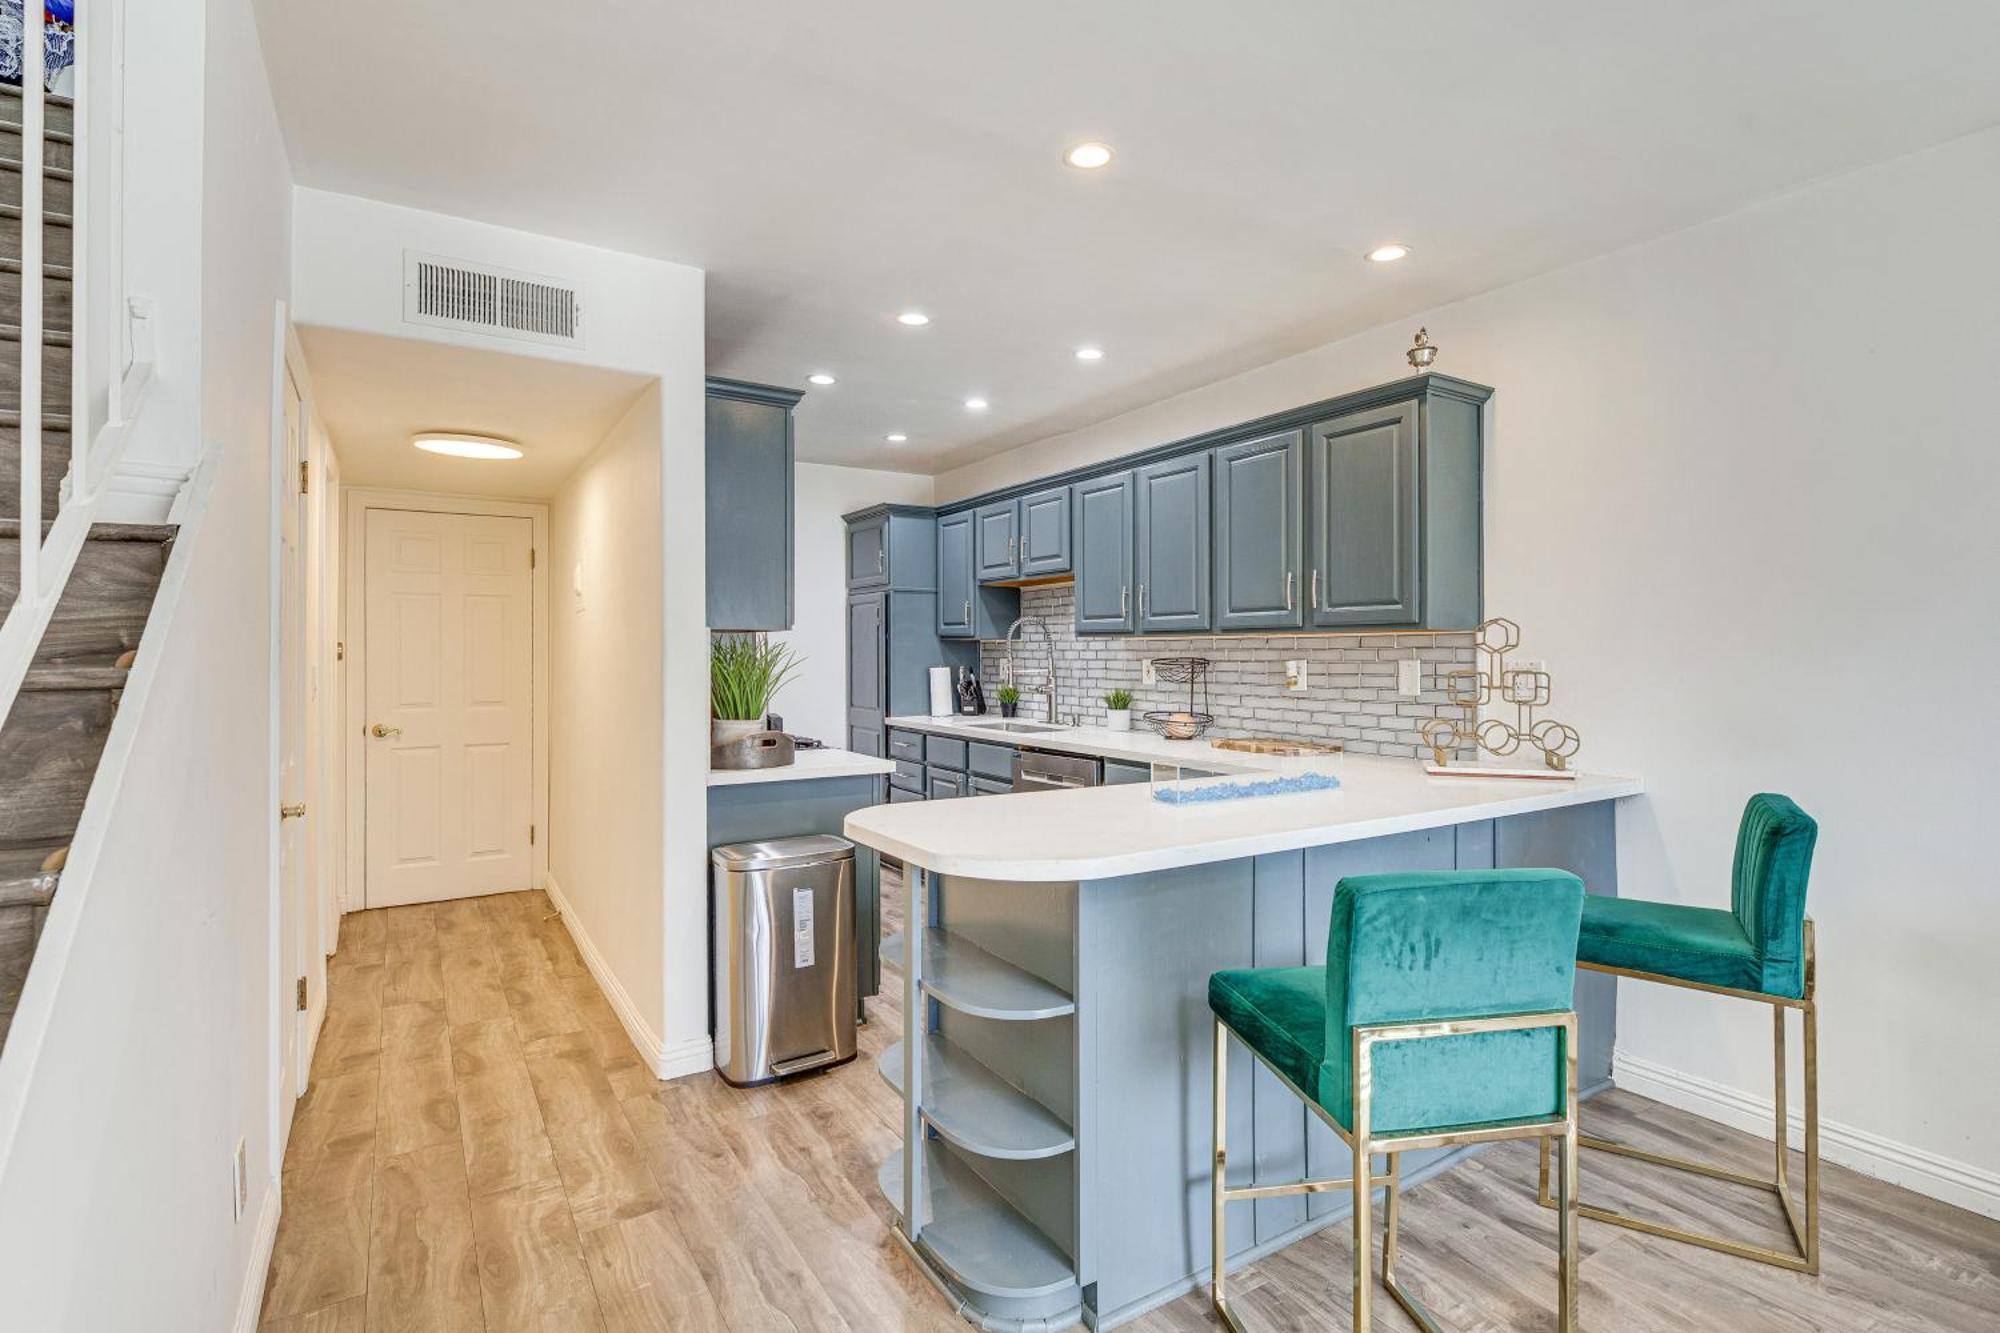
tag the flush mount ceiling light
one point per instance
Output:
(975, 404)
(1388, 254)
(1090, 353)
(1088, 156)
(458, 445)
(897, 438)
(822, 378)
(916, 319)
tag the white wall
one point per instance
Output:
(815, 703)
(605, 814)
(1741, 496)
(115, 1203)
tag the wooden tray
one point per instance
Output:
(1276, 745)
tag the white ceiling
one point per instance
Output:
(374, 393)
(830, 165)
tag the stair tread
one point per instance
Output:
(55, 335)
(50, 420)
(74, 676)
(102, 532)
(15, 164)
(54, 272)
(58, 219)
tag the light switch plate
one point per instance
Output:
(1296, 674)
(1409, 677)
(1148, 676)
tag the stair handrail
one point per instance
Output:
(122, 345)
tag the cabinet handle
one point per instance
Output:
(1123, 589)
(1288, 590)
(881, 558)
(1010, 549)
(968, 613)
(1142, 603)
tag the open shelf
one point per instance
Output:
(963, 976)
(970, 1105)
(974, 1235)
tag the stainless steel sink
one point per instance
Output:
(1010, 724)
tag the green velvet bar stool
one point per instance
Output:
(1762, 950)
(1442, 1017)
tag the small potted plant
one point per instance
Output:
(1010, 700)
(745, 672)
(1118, 709)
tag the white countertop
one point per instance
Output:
(1099, 832)
(810, 764)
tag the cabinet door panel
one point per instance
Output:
(997, 539)
(1259, 511)
(868, 554)
(1173, 545)
(749, 506)
(1103, 551)
(955, 576)
(1363, 565)
(1045, 533)
(867, 665)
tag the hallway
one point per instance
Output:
(482, 1149)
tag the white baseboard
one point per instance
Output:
(1929, 1174)
(676, 1061)
(250, 1302)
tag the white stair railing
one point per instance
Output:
(111, 340)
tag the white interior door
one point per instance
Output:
(449, 726)
(294, 913)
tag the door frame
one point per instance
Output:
(356, 502)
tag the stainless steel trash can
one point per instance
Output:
(783, 948)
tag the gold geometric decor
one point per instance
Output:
(1494, 682)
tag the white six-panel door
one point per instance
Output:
(449, 724)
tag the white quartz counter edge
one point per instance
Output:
(828, 763)
(1142, 746)
(1102, 832)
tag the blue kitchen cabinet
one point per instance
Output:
(749, 493)
(1045, 533)
(1259, 511)
(1103, 547)
(1171, 546)
(966, 608)
(1365, 520)
(892, 622)
(996, 537)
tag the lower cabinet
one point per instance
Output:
(990, 787)
(897, 796)
(943, 786)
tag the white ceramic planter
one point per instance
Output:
(1118, 719)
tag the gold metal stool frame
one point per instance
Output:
(1364, 1145)
(1804, 1257)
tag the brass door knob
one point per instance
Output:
(383, 733)
(292, 811)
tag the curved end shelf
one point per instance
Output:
(974, 1236)
(961, 975)
(976, 1109)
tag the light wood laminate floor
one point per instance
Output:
(481, 1149)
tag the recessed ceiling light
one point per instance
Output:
(1090, 353)
(821, 378)
(975, 404)
(1088, 156)
(897, 438)
(1388, 254)
(466, 446)
(916, 319)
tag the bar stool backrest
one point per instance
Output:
(1450, 944)
(1774, 851)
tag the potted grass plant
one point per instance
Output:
(745, 672)
(1118, 709)
(1010, 700)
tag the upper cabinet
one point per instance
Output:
(891, 546)
(1359, 512)
(749, 480)
(1104, 555)
(1171, 545)
(1045, 533)
(1259, 505)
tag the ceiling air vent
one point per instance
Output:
(455, 293)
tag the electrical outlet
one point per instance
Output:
(1409, 677)
(239, 1170)
(1295, 674)
(1147, 675)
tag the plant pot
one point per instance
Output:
(1118, 719)
(1008, 710)
(722, 731)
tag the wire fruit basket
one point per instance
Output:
(1183, 724)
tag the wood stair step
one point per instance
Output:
(52, 219)
(15, 164)
(74, 676)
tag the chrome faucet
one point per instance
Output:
(1049, 650)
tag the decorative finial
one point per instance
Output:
(1422, 352)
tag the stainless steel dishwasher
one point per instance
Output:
(783, 957)
(1044, 770)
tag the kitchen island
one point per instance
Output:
(1056, 1070)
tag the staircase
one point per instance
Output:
(53, 736)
